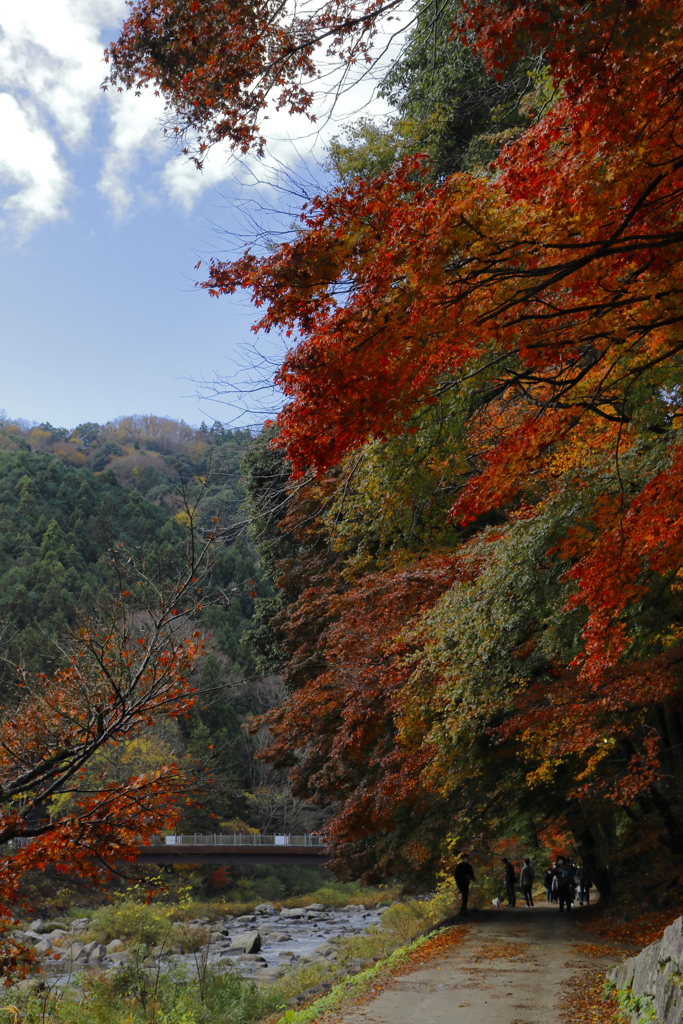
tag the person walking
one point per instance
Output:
(464, 874)
(584, 879)
(563, 874)
(526, 881)
(509, 881)
(548, 883)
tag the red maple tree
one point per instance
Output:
(548, 293)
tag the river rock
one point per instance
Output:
(315, 906)
(115, 946)
(265, 908)
(269, 973)
(55, 923)
(247, 942)
(43, 947)
(293, 912)
(655, 974)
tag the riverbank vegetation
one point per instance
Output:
(141, 994)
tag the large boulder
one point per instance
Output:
(293, 912)
(245, 942)
(653, 978)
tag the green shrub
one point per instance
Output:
(136, 996)
(189, 938)
(135, 922)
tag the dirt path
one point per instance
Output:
(511, 968)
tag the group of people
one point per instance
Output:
(565, 883)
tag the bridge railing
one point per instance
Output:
(216, 839)
(242, 839)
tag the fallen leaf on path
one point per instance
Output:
(500, 951)
(587, 1003)
(586, 949)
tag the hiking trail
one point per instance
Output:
(513, 966)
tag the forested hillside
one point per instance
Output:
(68, 497)
(478, 561)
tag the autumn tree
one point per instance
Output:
(508, 338)
(122, 669)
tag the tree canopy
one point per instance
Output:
(480, 559)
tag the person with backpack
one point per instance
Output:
(464, 874)
(526, 881)
(510, 880)
(565, 879)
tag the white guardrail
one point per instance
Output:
(243, 840)
(246, 839)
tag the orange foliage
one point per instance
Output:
(556, 282)
(347, 711)
(116, 683)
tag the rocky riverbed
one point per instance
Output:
(261, 945)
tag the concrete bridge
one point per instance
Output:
(234, 849)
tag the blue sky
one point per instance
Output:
(101, 225)
(100, 318)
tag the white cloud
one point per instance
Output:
(30, 167)
(51, 68)
(50, 71)
(135, 134)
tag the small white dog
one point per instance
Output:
(496, 902)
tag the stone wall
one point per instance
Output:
(650, 985)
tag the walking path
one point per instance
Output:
(512, 967)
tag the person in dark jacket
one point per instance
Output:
(583, 875)
(509, 881)
(464, 874)
(526, 881)
(548, 883)
(565, 881)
